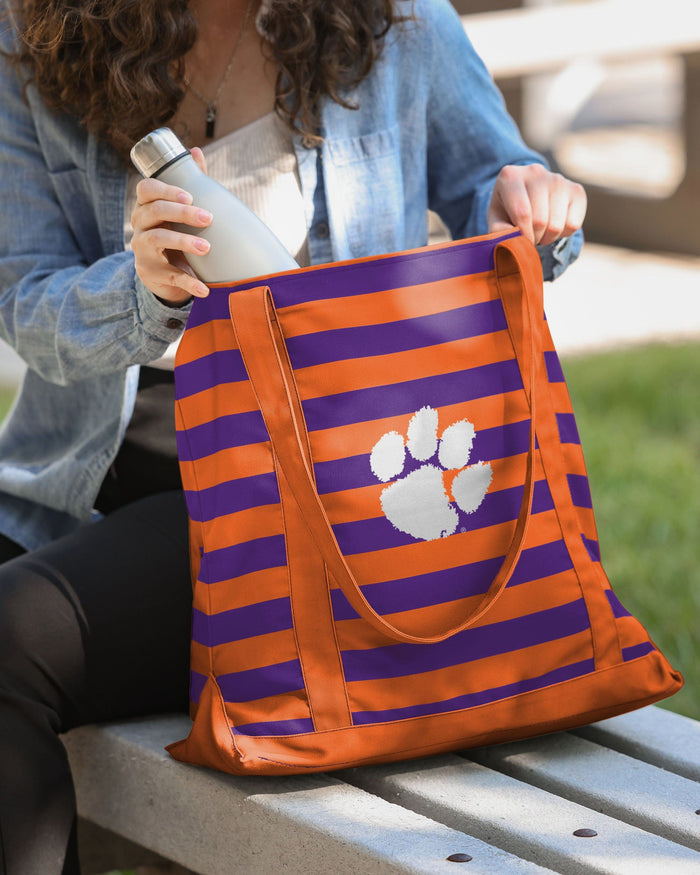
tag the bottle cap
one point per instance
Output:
(155, 150)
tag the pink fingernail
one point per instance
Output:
(204, 216)
(184, 197)
(202, 245)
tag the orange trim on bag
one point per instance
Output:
(423, 557)
(234, 462)
(606, 643)
(516, 601)
(378, 308)
(255, 652)
(312, 615)
(199, 341)
(365, 502)
(484, 674)
(352, 375)
(333, 443)
(285, 706)
(247, 589)
(631, 631)
(205, 406)
(245, 525)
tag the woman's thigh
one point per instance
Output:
(96, 624)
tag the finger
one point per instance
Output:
(159, 239)
(160, 262)
(199, 158)
(538, 183)
(519, 209)
(169, 276)
(151, 189)
(159, 212)
(186, 278)
(567, 209)
(510, 205)
(559, 199)
(577, 209)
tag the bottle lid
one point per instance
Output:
(155, 150)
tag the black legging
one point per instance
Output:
(94, 626)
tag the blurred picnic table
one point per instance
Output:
(521, 41)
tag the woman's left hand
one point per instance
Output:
(544, 205)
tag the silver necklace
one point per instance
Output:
(211, 105)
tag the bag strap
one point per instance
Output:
(265, 356)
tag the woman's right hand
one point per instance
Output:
(158, 249)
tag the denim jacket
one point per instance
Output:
(430, 131)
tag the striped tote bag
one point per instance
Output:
(393, 546)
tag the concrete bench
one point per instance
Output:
(518, 43)
(513, 808)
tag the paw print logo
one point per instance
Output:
(418, 502)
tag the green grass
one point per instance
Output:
(638, 412)
(6, 396)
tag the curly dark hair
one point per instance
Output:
(119, 65)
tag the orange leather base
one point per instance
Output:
(601, 694)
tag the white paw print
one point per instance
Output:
(418, 504)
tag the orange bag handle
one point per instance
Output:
(265, 356)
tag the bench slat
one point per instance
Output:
(514, 811)
(524, 819)
(603, 779)
(219, 824)
(399, 838)
(652, 734)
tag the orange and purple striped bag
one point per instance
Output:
(393, 545)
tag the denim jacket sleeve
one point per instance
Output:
(67, 303)
(471, 137)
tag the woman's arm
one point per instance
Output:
(481, 175)
(67, 309)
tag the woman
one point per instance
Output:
(339, 124)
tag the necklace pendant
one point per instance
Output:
(210, 119)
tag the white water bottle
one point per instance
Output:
(241, 245)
